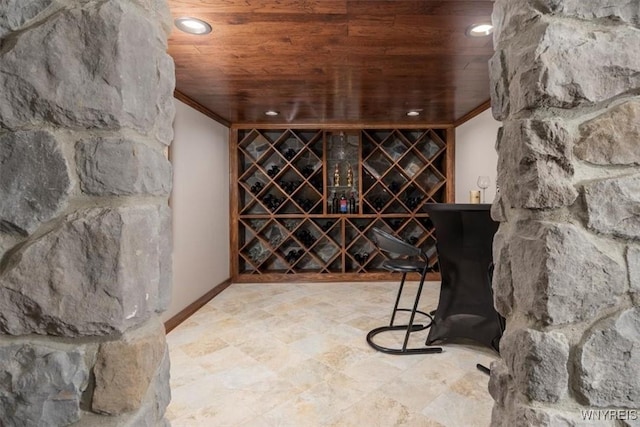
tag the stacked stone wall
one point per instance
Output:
(86, 111)
(565, 81)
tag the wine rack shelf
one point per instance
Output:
(305, 201)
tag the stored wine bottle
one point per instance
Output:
(343, 204)
(290, 154)
(352, 204)
(256, 188)
(307, 171)
(336, 204)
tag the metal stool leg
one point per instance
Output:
(413, 313)
(395, 307)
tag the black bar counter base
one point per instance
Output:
(464, 234)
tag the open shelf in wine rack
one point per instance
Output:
(284, 225)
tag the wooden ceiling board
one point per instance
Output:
(334, 61)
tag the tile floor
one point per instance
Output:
(291, 354)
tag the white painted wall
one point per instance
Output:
(476, 155)
(200, 205)
(200, 197)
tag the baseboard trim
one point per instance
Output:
(184, 314)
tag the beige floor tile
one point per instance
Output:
(307, 374)
(453, 409)
(319, 405)
(205, 344)
(474, 385)
(295, 354)
(222, 360)
(272, 353)
(341, 356)
(184, 369)
(371, 372)
(219, 414)
(314, 344)
(378, 410)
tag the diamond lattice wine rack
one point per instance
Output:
(305, 201)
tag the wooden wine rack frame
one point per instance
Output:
(282, 229)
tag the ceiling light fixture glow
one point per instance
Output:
(271, 113)
(193, 25)
(479, 30)
(413, 113)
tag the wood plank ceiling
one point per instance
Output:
(334, 61)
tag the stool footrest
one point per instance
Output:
(427, 315)
(404, 350)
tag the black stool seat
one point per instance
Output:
(408, 265)
(410, 259)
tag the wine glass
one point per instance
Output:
(483, 183)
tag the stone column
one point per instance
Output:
(86, 113)
(565, 80)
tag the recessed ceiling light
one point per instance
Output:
(271, 113)
(413, 113)
(193, 26)
(479, 30)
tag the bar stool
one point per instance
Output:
(410, 259)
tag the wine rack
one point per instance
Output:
(287, 219)
(402, 171)
(280, 172)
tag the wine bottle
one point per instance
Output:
(336, 204)
(343, 204)
(290, 154)
(352, 204)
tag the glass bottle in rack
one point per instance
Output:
(344, 204)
